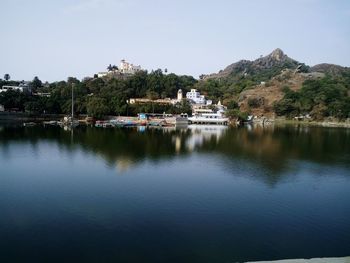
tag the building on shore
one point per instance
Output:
(2, 108)
(196, 98)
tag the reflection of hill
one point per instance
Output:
(271, 148)
(276, 148)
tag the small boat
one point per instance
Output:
(99, 124)
(50, 122)
(107, 124)
(29, 124)
(89, 120)
(155, 122)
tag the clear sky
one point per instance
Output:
(54, 39)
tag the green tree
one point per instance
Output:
(7, 77)
(36, 83)
(97, 107)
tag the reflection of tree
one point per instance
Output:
(270, 148)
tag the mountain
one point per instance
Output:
(261, 86)
(267, 66)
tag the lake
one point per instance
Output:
(202, 194)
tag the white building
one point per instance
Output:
(128, 68)
(179, 95)
(124, 68)
(102, 74)
(2, 108)
(196, 97)
(20, 87)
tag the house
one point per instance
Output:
(195, 97)
(124, 68)
(23, 87)
(128, 68)
(102, 74)
(2, 108)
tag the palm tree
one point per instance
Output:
(7, 77)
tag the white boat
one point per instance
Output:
(209, 117)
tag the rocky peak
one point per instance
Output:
(274, 62)
(277, 54)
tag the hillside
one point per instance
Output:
(258, 86)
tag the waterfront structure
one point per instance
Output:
(207, 116)
(2, 108)
(203, 114)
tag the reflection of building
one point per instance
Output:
(202, 133)
(124, 163)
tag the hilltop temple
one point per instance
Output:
(124, 68)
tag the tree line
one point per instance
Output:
(97, 97)
(101, 96)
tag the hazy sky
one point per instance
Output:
(57, 39)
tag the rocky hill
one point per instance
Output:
(258, 85)
(271, 64)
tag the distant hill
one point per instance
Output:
(330, 69)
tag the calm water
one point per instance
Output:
(195, 195)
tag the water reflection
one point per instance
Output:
(273, 148)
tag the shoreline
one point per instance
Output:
(328, 124)
(28, 117)
(311, 260)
